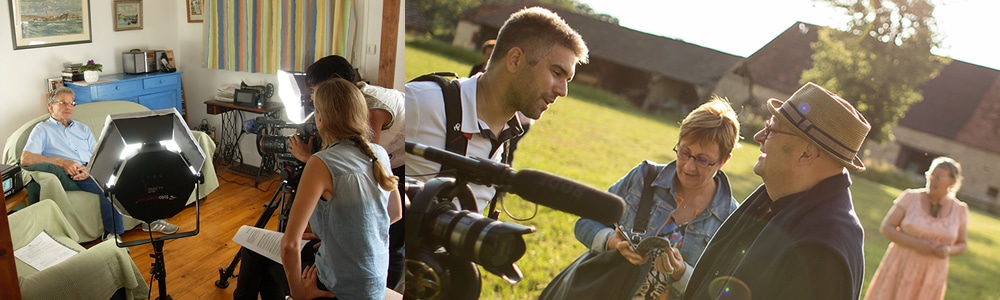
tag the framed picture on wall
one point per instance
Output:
(37, 24)
(51, 84)
(196, 11)
(128, 15)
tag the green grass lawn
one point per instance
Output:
(595, 137)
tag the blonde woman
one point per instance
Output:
(925, 226)
(691, 198)
(347, 197)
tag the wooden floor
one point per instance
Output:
(193, 263)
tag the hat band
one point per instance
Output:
(817, 134)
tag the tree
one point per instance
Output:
(881, 61)
(442, 15)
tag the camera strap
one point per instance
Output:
(455, 139)
(645, 200)
(500, 191)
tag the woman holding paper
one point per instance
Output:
(347, 196)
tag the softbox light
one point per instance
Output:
(149, 161)
(295, 96)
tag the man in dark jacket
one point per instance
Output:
(796, 236)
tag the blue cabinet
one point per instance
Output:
(154, 90)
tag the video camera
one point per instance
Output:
(270, 141)
(450, 241)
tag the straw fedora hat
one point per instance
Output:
(826, 120)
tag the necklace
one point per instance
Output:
(682, 204)
(935, 209)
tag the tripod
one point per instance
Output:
(283, 199)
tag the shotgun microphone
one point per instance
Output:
(539, 187)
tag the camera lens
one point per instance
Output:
(493, 244)
(271, 144)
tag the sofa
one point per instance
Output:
(95, 273)
(81, 208)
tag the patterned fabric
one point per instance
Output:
(266, 36)
(906, 274)
(654, 285)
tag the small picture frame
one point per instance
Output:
(128, 15)
(51, 84)
(195, 11)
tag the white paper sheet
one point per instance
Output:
(43, 252)
(262, 241)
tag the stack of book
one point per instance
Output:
(226, 92)
(71, 72)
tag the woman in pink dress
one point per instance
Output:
(925, 227)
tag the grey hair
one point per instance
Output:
(60, 90)
(954, 169)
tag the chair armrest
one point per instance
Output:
(27, 223)
(81, 209)
(95, 273)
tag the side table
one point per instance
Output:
(17, 199)
(232, 131)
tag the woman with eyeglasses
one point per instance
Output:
(925, 227)
(691, 198)
(347, 196)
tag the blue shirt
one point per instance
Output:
(50, 138)
(353, 258)
(698, 232)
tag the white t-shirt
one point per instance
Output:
(426, 125)
(392, 138)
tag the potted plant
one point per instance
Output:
(91, 71)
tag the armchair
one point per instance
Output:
(95, 273)
(80, 208)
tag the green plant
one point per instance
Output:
(91, 66)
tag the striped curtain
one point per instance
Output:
(263, 36)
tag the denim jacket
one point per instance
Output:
(594, 235)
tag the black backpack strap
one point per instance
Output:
(646, 200)
(455, 140)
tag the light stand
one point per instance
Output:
(283, 198)
(149, 165)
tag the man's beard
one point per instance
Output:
(523, 102)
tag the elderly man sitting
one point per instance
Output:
(68, 145)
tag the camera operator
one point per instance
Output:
(534, 59)
(386, 120)
(348, 198)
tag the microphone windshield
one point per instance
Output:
(568, 195)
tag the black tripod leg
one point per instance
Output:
(159, 270)
(286, 207)
(269, 208)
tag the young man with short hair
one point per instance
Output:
(534, 59)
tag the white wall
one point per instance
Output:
(164, 27)
(25, 71)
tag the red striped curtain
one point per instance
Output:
(263, 36)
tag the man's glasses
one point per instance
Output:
(64, 103)
(769, 128)
(700, 160)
